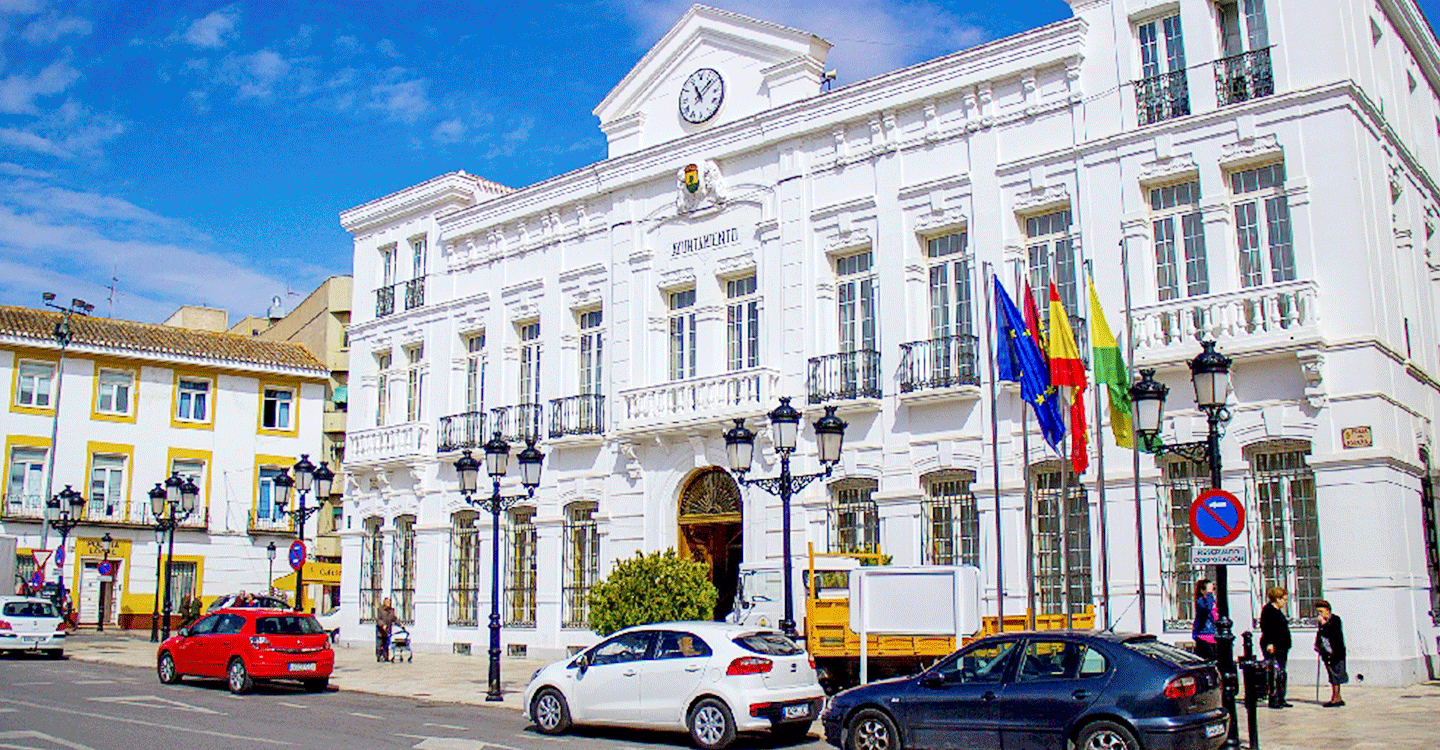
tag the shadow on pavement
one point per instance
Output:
(756, 740)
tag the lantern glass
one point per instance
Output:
(786, 422)
(270, 551)
(531, 461)
(304, 473)
(497, 456)
(52, 508)
(76, 500)
(284, 486)
(157, 501)
(1211, 388)
(830, 434)
(189, 496)
(468, 470)
(324, 480)
(1149, 416)
(740, 447)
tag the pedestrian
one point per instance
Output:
(1207, 612)
(1330, 644)
(185, 609)
(384, 623)
(193, 613)
(1275, 643)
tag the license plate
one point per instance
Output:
(308, 666)
(1214, 730)
(32, 638)
(797, 712)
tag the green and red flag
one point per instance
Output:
(1110, 371)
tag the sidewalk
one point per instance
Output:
(441, 677)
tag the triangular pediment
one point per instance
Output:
(760, 65)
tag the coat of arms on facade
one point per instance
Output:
(698, 185)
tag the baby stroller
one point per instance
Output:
(400, 645)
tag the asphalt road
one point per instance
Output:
(47, 705)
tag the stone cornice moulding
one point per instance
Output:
(676, 278)
(1042, 199)
(1168, 169)
(1245, 153)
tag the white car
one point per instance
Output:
(31, 624)
(330, 621)
(712, 679)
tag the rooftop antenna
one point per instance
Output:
(114, 291)
(828, 82)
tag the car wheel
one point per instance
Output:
(791, 733)
(239, 677)
(335, 635)
(711, 725)
(872, 730)
(55, 653)
(550, 711)
(316, 685)
(1106, 735)
(166, 670)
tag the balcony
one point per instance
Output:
(517, 423)
(1262, 315)
(389, 443)
(1243, 77)
(844, 376)
(577, 415)
(707, 400)
(23, 508)
(460, 431)
(384, 301)
(1162, 97)
(414, 293)
(946, 362)
(261, 524)
(32, 508)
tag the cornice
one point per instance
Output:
(455, 188)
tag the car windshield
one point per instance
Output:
(29, 609)
(288, 625)
(1164, 652)
(770, 644)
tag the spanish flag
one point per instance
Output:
(1066, 369)
(1110, 372)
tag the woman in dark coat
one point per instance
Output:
(1330, 644)
(1275, 643)
(1206, 613)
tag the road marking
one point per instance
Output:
(452, 743)
(366, 716)
(155, 701)
(27, 734)
(19, 684)
(522, 735)
(291, 705)
(448, 726)
(125, 720)
(94, 682)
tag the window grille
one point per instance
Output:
(854, 516)
(464, 569)
(372, 569)
(951, 523)
(1182, 481)
(402, 571)
(1284, 526)
(1050, 578)
(520, 569)
(581, 564)
(1431, 532)
(182, 582)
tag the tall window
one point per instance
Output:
(592, 350)
(414, 381)
(417, 257)
(266, 509)
(26, 485)
(372, 568)
(464, 569)
(530, 363)
(1050, 580)
(33, 384)
(107, 485)
(192, 400)
(194, 470)
(1284, 528)
(520, 569)
(475, 372)
(387, 265)
(402, 571)
(1051, 251)
(581, 564)
(1182, 482)
(951, 522)
(854, 516)
(951, 311)
(182, 580)
(855, 296)
(277, 409)
(112, 391)
(382, 401)
(682, 334)
(1162, 46)
(1243, 27)
(1179, 234)
(1262, 225)
(742, 323)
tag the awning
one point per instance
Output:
(341, 394)
(315, 572)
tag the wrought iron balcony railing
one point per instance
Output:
(939, 363)
(517, 423)
(28, 507)
(1243, 77)
(461, 431)
(1162, 97)
(414, 293)
(577, 415)
(848, 375)
(263, 524)
(384, 301)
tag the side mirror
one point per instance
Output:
(581, 663)
(184, 632)
(931, 680)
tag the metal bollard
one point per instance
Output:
(1256, 688)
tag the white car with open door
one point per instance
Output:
(712, 679)
(31, 624)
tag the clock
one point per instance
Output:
(701, 95)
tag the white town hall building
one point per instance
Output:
(1263, 171)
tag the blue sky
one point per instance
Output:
(200, 152)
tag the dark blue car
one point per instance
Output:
(1034, 691)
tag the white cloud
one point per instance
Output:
(32, 142)
(449, 131)
(19, 91)
(387, 48)
(521, 131)
(255, 75)
(347, 45)
(200, 100)
(16, 170)
(211, 31)
(405, 101)
(870, 36)
(49, 29)
(21, 7)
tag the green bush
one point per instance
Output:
(659, 587)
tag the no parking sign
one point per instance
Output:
(1217, 517)
(297, 554)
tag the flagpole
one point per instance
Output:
(1029, 500)
(1135, 441)
(1099, 464)
(995, 451)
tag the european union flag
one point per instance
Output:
(1018, 360)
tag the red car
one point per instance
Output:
(244, 645)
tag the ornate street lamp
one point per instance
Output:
(307, 476)
(497, 461)
(107, 545)
(159, 570)
(63, 334)
(63, 512)
(270, 576)
(740, 449)
(171, 507)
(1210, 375)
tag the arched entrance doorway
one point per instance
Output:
(711, 530)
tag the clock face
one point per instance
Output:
(701, 95)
